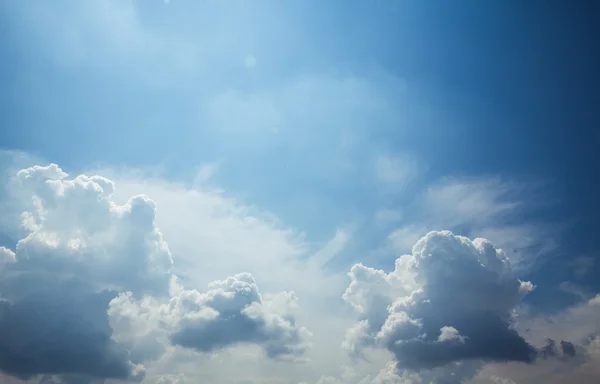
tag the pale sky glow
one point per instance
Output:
(270, 192)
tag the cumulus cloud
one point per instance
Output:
(81, 249)
(232, 311)
(89, 292)
(449, 301)
(6, 256)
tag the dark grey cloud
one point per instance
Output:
(60, 330)
(69, 379)
(485, 337)
(563, 350)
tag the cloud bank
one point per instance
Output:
(89, 291)
(91, 294)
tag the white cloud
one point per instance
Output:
(450, 300)
(95, 256)
(476, 201)
(81, 247)
(231, 312)
(6, 256)
(450, 334)
(103, 270)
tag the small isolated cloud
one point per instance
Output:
(449, 301)
(450, 334)
(250, 61)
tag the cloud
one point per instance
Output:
(6, 256)
(81, 247)
(389, 374)
(564, 350)
(405, 237)
(232, 311)
(89, 292)
(491, 208)
(213, 235)
(575, 358)
(475, 201)
(108, 280)
(561, 363)
(170, 379)
(451, 300)
(450, 334)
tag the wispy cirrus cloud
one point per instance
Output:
(492, 208)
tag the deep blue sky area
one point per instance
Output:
(505, 88)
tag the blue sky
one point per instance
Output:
(358, 127)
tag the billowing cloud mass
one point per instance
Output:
(450, 301)
(89, 291)
(231, 312)
(90, 295)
